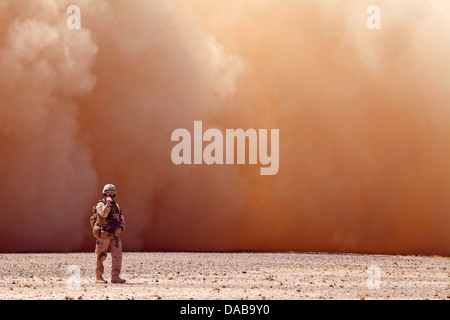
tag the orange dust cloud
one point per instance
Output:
(363, 119)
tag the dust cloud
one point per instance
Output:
(363, 118)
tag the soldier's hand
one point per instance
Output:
(117, 232)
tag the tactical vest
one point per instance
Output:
(113, 219)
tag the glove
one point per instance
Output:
(117, 232)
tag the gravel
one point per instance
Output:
(235, 276)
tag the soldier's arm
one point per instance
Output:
(103, 210)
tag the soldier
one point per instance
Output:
(108, 226)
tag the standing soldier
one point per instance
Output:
(109, 223)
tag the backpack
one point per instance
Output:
(93, 218)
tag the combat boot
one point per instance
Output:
(99, 279)
(117, 279)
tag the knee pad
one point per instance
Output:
(102, 257)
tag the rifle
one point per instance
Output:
(116, 237)
(113, 223)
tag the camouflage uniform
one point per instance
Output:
(106, 241)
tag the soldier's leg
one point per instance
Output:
(116, 256)
(101, 250)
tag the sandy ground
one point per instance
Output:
(182, 275)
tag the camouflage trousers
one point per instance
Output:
(102, 247)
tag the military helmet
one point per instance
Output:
(109, 187)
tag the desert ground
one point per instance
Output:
(240, 275)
